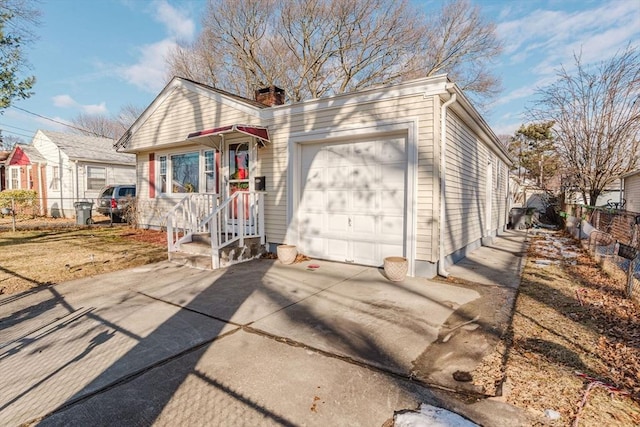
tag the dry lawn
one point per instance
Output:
(574, 342)
(38, 257)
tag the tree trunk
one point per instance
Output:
(593, 197)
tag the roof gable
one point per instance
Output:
(222, 97)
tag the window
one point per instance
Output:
(185, 173)
(190, 172)
(239, 166)
(14, 182)
(163, 174)
(96, 177)
(210, 172)
(55, 181)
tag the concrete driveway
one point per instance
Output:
(255, 344)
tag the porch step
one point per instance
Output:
(197, 253)
(202, 262)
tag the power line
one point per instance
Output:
(59, 122)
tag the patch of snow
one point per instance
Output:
(432, 416)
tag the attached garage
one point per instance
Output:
(352, 201)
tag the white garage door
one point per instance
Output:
(352, 203)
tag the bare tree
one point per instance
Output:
(596, 110)
(314, 48)
(104, 125)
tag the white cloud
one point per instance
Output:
(178, 24)
(95, 109)
(149, 73)
(598, 32)
(66, 101)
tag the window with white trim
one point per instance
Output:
(96, 177)
(55, 179)
(210, 171)
(163, 174)
(187, 172)
(14, 179)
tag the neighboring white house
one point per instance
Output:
(631, 194)
(410, 169)
(78, 167)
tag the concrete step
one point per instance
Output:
(202, 262)
(198, 252)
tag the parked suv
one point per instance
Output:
(116, 200)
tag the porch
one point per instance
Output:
(205, 231)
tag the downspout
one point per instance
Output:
(443, 176)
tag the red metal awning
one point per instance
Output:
(259, 132)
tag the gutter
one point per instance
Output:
(443, 176)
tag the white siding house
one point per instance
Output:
(405, 170)
(78, 167)
(632, 191)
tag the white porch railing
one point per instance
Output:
(185, 217)
(232, 220)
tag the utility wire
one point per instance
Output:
(59, 122)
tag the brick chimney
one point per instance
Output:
(270, 96)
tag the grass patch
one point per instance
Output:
(44, 257)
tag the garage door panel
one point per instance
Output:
(392, 151)
(392, 201)
(316, 179)
(394, 176)
(337, 223)
(337, 177)
(366, 253)
(312, 155)
(364, 176)
(338, 154)
(364, 201)
(311, 224)
(313, 200)
(392, 227)
(314, 246)
(365, 224)
(337, 201)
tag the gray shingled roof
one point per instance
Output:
(33, 153)
(80, 147)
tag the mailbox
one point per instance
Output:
(260, 183)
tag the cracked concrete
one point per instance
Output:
(259, 343)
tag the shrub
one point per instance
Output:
(24, 201)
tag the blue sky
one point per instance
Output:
(97, 56)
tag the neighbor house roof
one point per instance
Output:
(33, 153)
(88, 148)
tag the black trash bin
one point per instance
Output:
(83, 213)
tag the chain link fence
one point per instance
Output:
(612, 236)
(17, 212)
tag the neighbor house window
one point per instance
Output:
(96, 177)
(163, 174)
(185, 173)
(55, 182)
(14, 181)
(210, 171)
